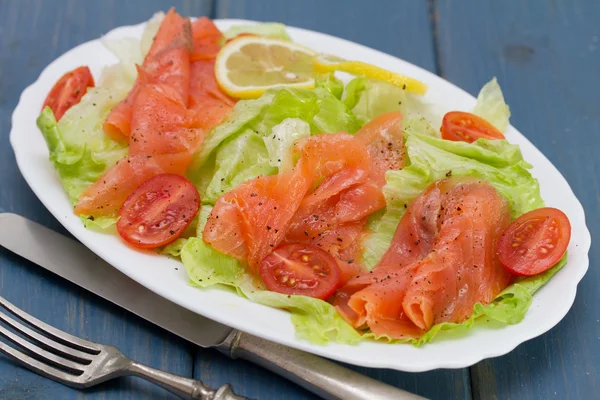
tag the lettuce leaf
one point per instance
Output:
(280, 144)
(238, 159)
(330, 83)
(234, 151)
(430, 159)
(207, 267)
(315, 320)
(174, 249)
(269, 29)
(368, 98)
(492, 107)
(79, 149)
(243, 114)
(100, 224)
(130, 52)
(333, 116)
(420, 125)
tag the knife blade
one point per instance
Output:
(73, 261)
(76, 263)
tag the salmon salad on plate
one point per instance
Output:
(326, 187)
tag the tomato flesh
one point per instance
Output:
(300, 269)
(534, 242)
(466, 127)
(158, 211)
(68, 91)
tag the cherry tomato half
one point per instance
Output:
(158, 211)
(463, 126)
(68, 91)
(301, 269)
(535, 241)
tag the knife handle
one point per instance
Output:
(322, 377)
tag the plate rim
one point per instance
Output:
(569, 292)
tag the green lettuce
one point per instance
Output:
(280, 144)
(419, 125)
(243, 115)
(207, 267)
(130, 52)
(430, 159)
(333, 116)
(368, 98)
(315, 320)
(269, 29)
(174, 249)
(100, 224)
(79, 149)
(238, 159)
(491, 106)
(235, 150)
(330, 83)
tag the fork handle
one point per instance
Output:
(183, 387)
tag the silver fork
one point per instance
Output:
(81, 364)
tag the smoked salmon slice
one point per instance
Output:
(208, 103)
(167, 62)
(161, 141)
(252, 219)
(333, 215)
(441, 262)
(323, 201)
(174, 101)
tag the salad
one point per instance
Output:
(352, 203)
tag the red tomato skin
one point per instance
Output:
(295, 262)
(68, 91)
(466, 127)
(534, 242)
(158, 211)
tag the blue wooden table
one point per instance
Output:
(546, 56)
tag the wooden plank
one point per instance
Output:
(33, 33)
(397, 27)
(383, 27)
(546, 56)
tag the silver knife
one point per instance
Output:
(76, 263)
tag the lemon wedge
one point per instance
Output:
(326, 63)
(249, 65)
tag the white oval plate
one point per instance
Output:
(159, 273)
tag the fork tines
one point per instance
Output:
(46, 350)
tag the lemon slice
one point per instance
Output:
(247, 66)
(327, 63)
